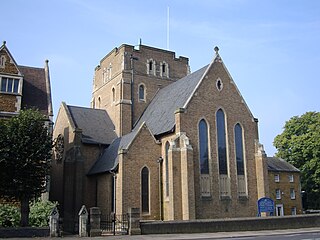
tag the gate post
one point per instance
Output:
(54, 222)
(83, 222)
(134, 221)
(95, 215)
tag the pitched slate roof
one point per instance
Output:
(34, 91)
(280, 165)
(108, 161)
(96, 125)
(159, 115)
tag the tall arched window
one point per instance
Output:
(203, 147)
(141, 92)
(222, 144)
(145, 190)
(238, 135)
(167, 169)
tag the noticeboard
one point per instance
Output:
(265, 205)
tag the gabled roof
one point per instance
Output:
(12, 60)
(280, 165)
(34, 90)
(108, 161)
(96, 125)
(159, 115)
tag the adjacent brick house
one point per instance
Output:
(179, 145)
(284, 187)
(23, 87)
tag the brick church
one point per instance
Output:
(177, 145)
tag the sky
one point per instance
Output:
(270, 47)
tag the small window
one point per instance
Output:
(291, 178)
(219, 85)
(113, 95)
(99, 102)
(141, 92)
(2, 61)
(277, 178)
(278, 194)
(151, 67)
(293, 211)
(292, 193)
(163, 68)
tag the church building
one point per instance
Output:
(177, 145)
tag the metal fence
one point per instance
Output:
(115, 224)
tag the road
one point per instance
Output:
(290, 234)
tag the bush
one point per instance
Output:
(9, 215)
(40, 212)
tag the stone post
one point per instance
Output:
(95, 215)
(83, 222)
(54, 222)
(134, 221)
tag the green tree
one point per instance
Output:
(299, 144)
(25, 153)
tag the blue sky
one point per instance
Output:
(270, 47)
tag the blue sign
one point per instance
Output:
(265, 205)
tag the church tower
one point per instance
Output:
(127, 79)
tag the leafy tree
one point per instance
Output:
(299, 144)
(25, 152)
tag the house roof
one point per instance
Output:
(159, 115)
(34, 91)
(280, 165)
(96, 125)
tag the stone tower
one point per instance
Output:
(128, 78)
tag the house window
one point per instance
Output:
(293, 211)
(291, 178)
(145, 190)
(9, 85)
(222, 144)
(203, 147)
(167, 169)
(278, 194)
(141, 92)
(277, 178)
(292, 193)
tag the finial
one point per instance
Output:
(4, 42)
(216, 49)
(47, 61)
